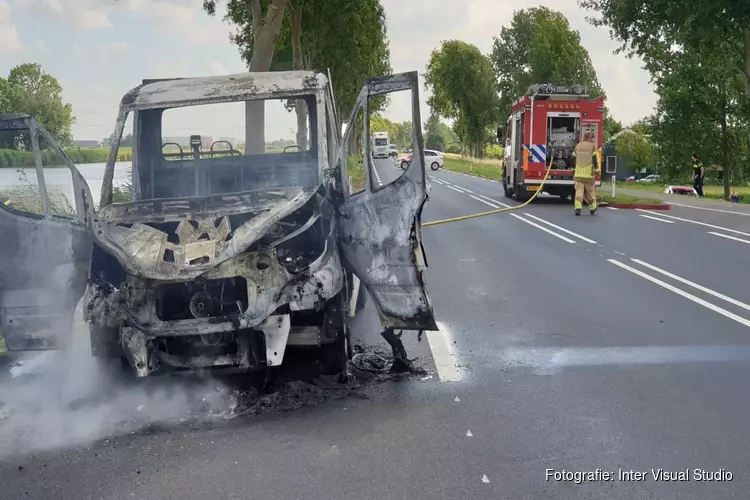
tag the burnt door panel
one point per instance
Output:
(45, 246)
(381, 224)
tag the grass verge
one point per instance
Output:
(710, 191)
(10, 158)
(463, 166)
(627, 199)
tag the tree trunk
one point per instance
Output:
(725, 153)
(265, 34)
(300, 108)
(746, 78)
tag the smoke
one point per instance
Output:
(63, 398)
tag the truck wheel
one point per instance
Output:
(519, 195)
(508, 190)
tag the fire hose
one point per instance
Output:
(496, 211)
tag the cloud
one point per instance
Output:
(9, 41)
(89, 19)
(630, 94)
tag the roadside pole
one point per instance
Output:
(355, 280)
(614, 183)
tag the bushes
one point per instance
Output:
(15, 158)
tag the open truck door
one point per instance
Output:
(46, 242)
(380, 230)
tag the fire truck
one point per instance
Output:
(544, 128)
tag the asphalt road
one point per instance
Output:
(618, 341)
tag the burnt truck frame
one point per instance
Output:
(221, 260)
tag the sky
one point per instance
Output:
(100, 49)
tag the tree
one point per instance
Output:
(462, 83)
(638, 148)
(611, 127)
(438, 135)
(262, 23)
(539, 47)
(346, 36)
(664, 33)
(28, 89)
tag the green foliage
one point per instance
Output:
(28, 89)
(462, 83)
(698, 54)
(539, 47)
(16, 158)
(611, 127)
(399, 134)
(346, 36)
(638, 149)
(439, 136)
(494, 151)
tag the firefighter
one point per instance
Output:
(586, 165)
(698, 173)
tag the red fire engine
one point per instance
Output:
(544, 128)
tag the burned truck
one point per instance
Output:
(218, 257)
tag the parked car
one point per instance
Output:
(650, 179)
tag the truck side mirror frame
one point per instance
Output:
(500, 136)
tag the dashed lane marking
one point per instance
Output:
(682, 293)
(494, 201)
(709, 209)
(694, 285)
(542, 228)
(484, 201)
(587, 240)
(694, 222)
(656, 218)
(456, 190)
(729, 237)
(463, 189)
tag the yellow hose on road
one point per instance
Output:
(496, 211)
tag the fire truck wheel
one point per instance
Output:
(508, 190)
(519, 196)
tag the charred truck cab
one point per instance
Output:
(226, 259)
(544, 128)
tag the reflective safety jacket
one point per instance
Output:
(586, 161)
(5, 201)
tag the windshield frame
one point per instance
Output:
(107, 187)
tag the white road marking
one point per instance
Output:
(542, 228)
(484, 201)
(709, 209)
(457, 400)
(485, 479)
(439, 342)
(463, 189)
(656, 218)
(694, 285)
(694, 222)
(469, 434)
(442, 183)
(587, 240)
(456, 190)
(377, 176)
(729, 237)
(619, 253)
(682, 293)
(612, 208)
(494, 200)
